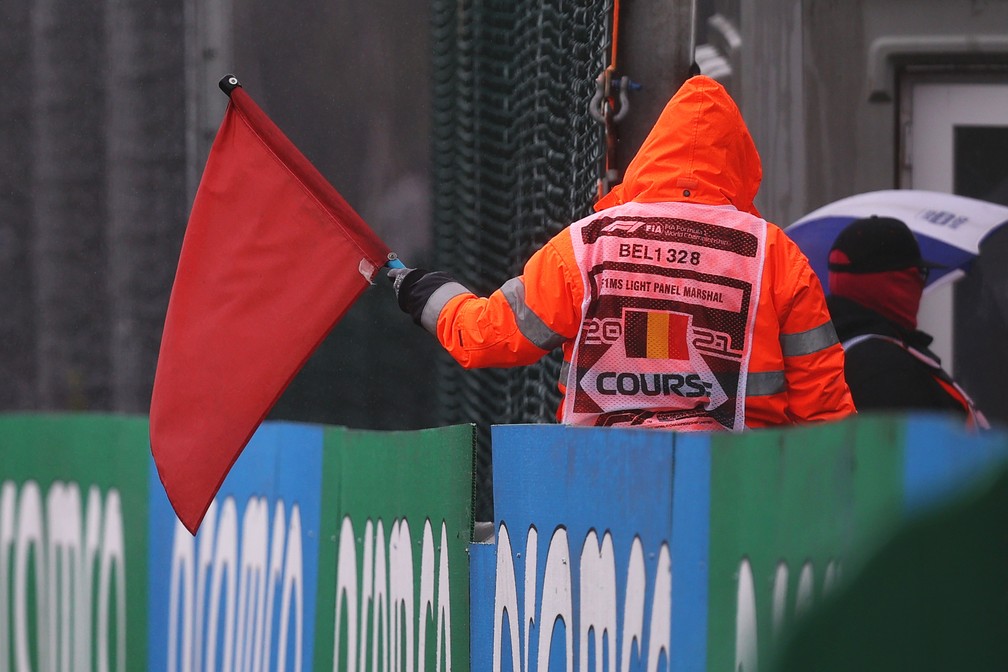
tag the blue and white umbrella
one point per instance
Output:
(948, 228)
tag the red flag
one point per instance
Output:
(272, 259)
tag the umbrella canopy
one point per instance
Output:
(948, 228)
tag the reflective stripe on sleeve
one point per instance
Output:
(807, 342)
(765, 383)
(529, 324)
(441, 296)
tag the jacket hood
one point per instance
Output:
(699, 151)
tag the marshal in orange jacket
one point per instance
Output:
(698, 155)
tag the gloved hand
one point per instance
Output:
(413, 287)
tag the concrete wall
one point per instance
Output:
(805, 74)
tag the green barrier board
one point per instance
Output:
(812, 497)
(932, 598)
(73, 542)
(393, 564)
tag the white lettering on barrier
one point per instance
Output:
(442, 607)
(556, 601)
(596, 622)
(633, 604)
(803, 598)
(7, 494)
(598, 595)
(427, 604)
(746, 626)
(253, 573)
(225, 558)
(780, 588)
(660, 639)
(61, 543)
(238, 571)
(293, 591)
(506, 596)
(401, 595)
(389, 595)
(113, 556)
(746, 659)
(531, 578)
(346, 591)
(29, 534)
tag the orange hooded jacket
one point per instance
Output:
(699, 151)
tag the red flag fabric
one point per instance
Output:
(272, 258)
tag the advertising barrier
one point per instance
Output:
(242, 593)
(586, 524)
(324, 547)
(644, 550)
(73, 543)
(335, 549)
(398, 517)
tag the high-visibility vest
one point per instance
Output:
(668, 316)
(974, 417)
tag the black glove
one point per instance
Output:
(413, 288)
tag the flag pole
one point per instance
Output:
(228, 83)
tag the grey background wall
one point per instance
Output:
(107, 111)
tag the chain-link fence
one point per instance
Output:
(516, 157)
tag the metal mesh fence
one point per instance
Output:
(516, 158)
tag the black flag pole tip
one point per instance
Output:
(228, 83)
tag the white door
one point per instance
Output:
(957, 142)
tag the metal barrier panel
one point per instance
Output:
(242, 592)
(394, 570)
(942, 459)
(73, 537)
(790, 510)
(97, 572)
(586, 573)
(932, 597)
(333, 548)
(633, 549)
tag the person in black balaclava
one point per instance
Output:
(876, 278)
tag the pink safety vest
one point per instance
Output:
(668, 316)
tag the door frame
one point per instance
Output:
(917, 144)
